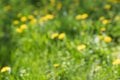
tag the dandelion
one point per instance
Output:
(81, 47)
(107, 6)
(15, 22)
(23, 26)
(18, 30)
(102, 18)
(54, 35)
(49, 16)
(56, 65)
(59, 6)
(83, 16)
(30, 17)
(78, 17)
(5, 69)
(117, 18)
(6, 8)
(107, 39)
(19, 15)
(35, 12)
(33, 21)
(61, 36)
(105, 21)
(100, 37)
(52, 2)
(23, 19)
(116, 62)
(103, 29)
(70, 12)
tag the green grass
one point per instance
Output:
(32, 54)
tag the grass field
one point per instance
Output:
(60, 40)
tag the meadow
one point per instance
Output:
(60, 40)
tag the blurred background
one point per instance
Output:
(78, 19)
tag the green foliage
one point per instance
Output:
(59, 40)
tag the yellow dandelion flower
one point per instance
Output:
(33, 21)
(56, 65)
(19, 15)
(52, 2)
(61, 36)
(107, 6)
(103, 29)
(15, 22)
(18, 30)
(117, 18)
(23, 26)
(102, 18)
(70, 12)
(116, 62)
(100, 37)
(84, 16)
(107, 39)
(23, 19)
(35, 12)
(6, 8)
(105, 21)
(49, 16)
(81, 47)
(54, 35)
(5, 69)
(30, 17)
(59, 6)
(78, 17)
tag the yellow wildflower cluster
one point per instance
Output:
(45, 18)
(54, 35)
(106, 39)
(107, 6)
(21, 29)
(116, 62)
(59, 36)
(104, 21)
(81, 47)
(5, 69)
(81, 16)
(32, 19)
